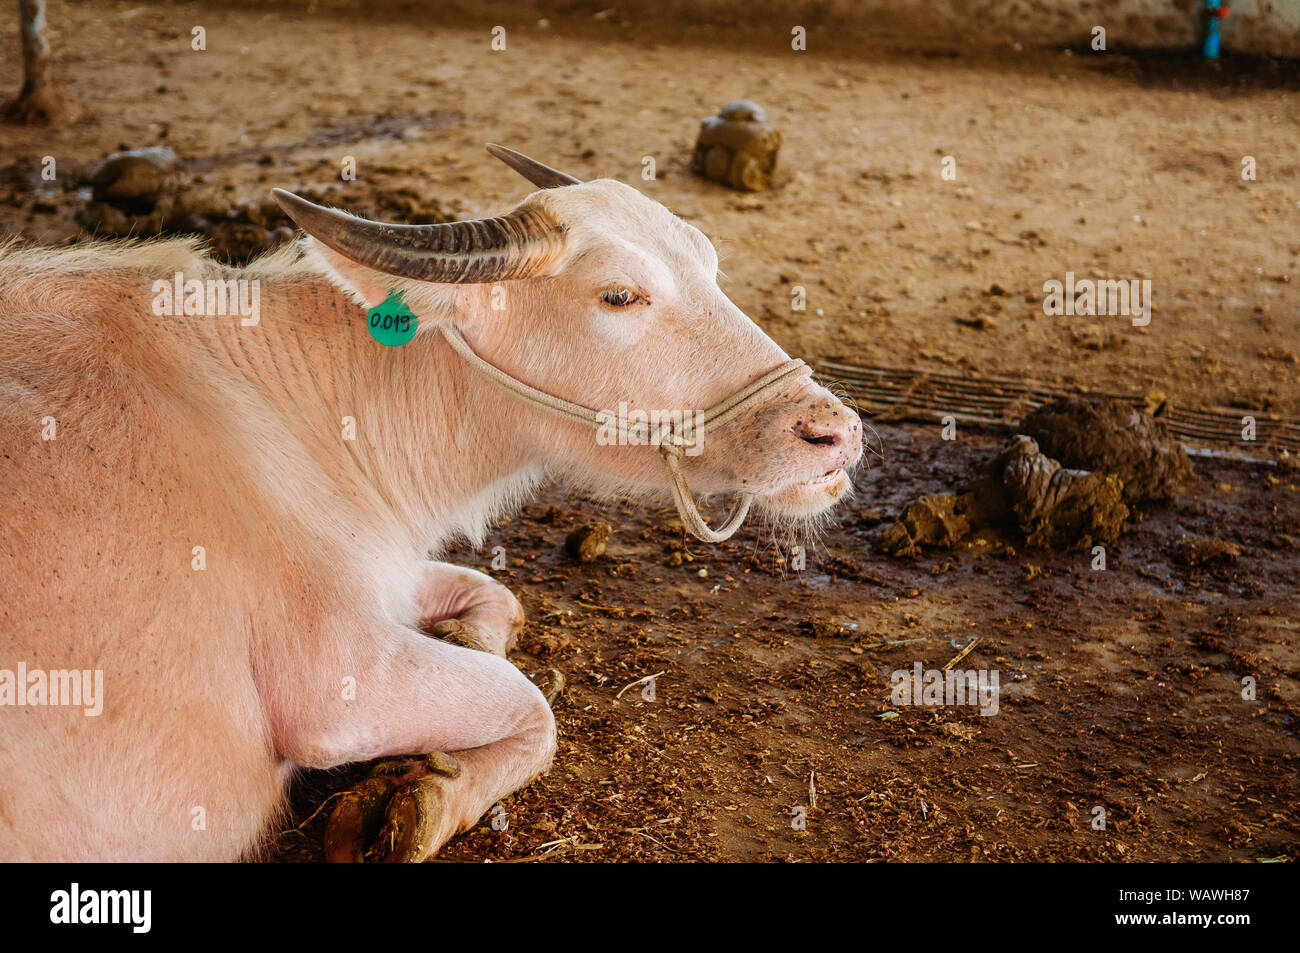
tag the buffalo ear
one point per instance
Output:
(366, 286)
(370, 288)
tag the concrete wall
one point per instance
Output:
(1254, 26)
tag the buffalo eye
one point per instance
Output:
(620, 297)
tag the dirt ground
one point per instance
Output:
(1120, 688)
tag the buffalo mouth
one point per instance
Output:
(830, 476)
(810, 497)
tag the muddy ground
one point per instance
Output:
(1120, 688)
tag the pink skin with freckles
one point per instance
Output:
(302, 643)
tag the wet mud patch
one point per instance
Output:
(348, 131)
(155, 192)
(148, 192)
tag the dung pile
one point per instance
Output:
(1051, 505)
(1112, 436)
(587, 543)
(738, 147)
(1067, 480)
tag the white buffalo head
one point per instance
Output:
(593, 292)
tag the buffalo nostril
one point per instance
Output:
(816, 439)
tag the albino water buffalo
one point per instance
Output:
(223, 521)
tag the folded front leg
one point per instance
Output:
(468, 607)
(477, 727)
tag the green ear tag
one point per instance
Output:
(392, 323)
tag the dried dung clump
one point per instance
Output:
(738, 147)
(1199, 550)
(587, 543)
(1053, 506)
(930, 521)
(1108, 435)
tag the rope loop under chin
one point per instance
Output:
(670, 449)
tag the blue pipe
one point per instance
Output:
(1214, 12)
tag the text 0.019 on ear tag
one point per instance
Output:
(391, 322)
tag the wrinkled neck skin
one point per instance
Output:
(438, 452)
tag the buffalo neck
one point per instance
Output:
(404, 444)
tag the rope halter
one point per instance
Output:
(671, 445)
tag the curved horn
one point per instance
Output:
(521, 244)
(542, 176)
